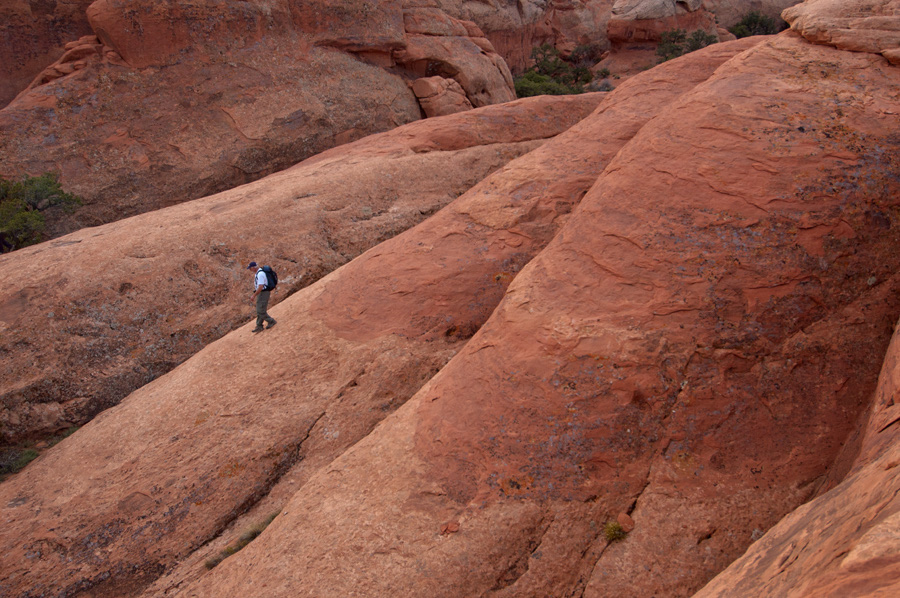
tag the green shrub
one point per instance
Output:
(535, 84)
(22, 203)
(14, 460)
(551, 75)
(586, 56)
(242, 541)
(677, 43)
(755, 23)
(614, 532)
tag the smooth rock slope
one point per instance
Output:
(347, 352)
(89, 317)
(692, 350)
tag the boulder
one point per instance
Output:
(864, 26)
(439, 96)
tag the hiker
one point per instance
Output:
(261, 296)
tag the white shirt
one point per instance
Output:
(261, 279)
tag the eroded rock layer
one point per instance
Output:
(32, 35)
(691, 350)
(178, 100)
(89, 317)
(671, 316)
(843, 543)
(347, 351)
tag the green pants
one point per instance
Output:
(262, 303)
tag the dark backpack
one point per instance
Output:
(271, 278)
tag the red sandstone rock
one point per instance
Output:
(862, 26)
(514, 28)
(694, 346)
(646, 20)
(32, 35)
(625, 520)
(216, 93)
(79, 339)
(729, 12)
(439, 96)
(845, 542)
(347, 351)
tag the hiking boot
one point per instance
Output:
(272, 323)
(258, 329)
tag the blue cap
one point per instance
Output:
(252, 265)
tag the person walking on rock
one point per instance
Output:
(261, 297)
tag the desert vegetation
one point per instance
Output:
(14, 458)
(756, 23)
(613, 531)
(243, 540)
(554, 75)
(22, 206)
(677, 43)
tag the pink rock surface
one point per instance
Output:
(646, 20)
(347, 352)
(89, 317)
(672, 315)
(439, 96)
(862, 26)
(32, 35)
(184, 99)
(692, 348)
(845, 542)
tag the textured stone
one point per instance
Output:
(845, 542)
(860, 26)
(32, 36)
(439, 96)
(204, 95)
(646, 20)
(461, 410)
(139, 303)
(693, 347)
(347, 351)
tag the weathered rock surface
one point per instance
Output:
(692, 349)
(729, 12)
(439, 96)
(646, 20)
(845, 542)
(32, 35)
(515, 27)
(864, 26)
(86, 319)
(688, 353)
(347, 351)
(179, 100)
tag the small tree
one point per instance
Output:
(586, 56)
(676, 43)
(551, 75)
(755, 23)
(21, 205)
